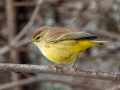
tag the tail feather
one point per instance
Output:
(104, 43)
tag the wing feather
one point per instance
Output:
(67, 34)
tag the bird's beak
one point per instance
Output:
(29, 41)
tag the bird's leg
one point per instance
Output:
(74, 67)
(74, 64)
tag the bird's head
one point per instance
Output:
(38, 35)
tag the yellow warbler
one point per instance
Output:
(63, 45)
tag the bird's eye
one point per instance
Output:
(38, 38)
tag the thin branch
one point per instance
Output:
(24, 30)
(33, 80)
(60, 71)
(16, 4)
(6, 48)
(115, 88)
(105, 33)
(12, 32)
(30, 23)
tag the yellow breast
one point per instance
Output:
(63, 51)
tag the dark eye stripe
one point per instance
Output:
(38, 38)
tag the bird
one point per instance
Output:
(63, 45)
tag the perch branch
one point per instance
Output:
(23, 68)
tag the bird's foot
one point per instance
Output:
(53, 67)
(74, 68)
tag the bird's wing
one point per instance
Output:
(62, 34)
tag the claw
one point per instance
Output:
(74, 68)
(54, 67)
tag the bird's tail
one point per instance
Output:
(104, 43)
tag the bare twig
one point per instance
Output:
(30, 23)
(11, 28)
(33, 80)
(105, 5)
(115, 88)
(24, 4)
(24, 30)
(60, 71)
(105, 33)
(6, 48)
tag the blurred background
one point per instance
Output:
(20, 18)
